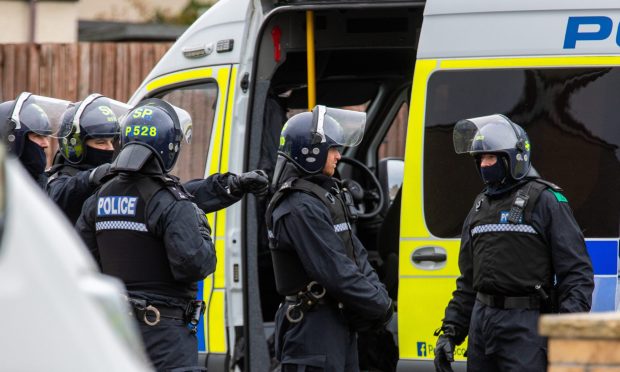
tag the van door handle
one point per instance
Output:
(428, 256)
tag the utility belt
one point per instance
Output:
(306, 300)
(532, 302)
(151, 314)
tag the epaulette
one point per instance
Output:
(173, 185)
(555, 190)
(551, 185)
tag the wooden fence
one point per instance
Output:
(73, 71)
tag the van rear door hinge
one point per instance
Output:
(245, 82)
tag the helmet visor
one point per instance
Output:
(41, 115)
(484, 134)
(99, 116)
(185, 120)
(345, 127)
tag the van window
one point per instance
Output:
(571, 116)
(199, 101)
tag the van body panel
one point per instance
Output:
(440, 7)
(602, 252)
(413, 224)
(221, 22)
(508, 29)
(218, 163)
(431, 287)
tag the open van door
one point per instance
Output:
(201, 73)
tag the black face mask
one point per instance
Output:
(33, 158)
(96, 157)
(495, 174)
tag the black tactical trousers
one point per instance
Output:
(171, 346)
(505, 340)
(322, 341)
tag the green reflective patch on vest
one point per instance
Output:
(561, 198)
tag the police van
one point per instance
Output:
(415, 68)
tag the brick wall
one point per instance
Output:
(583, 342)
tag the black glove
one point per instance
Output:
(444, 349)
(203, 223)
(99, 175)
(255, 181)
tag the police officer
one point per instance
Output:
(142, 228)
(28, 123)
(522, 253)
(84, 157)
(319, 264)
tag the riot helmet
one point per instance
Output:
(158, 126)
(307, 137)
(495, 134)
(31, 113)
(94, 117)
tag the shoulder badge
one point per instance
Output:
(559, 196)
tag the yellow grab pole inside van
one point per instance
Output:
(310, 58)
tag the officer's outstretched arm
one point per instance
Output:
(189, 247)
(211, 194)
(324, 257)
(572, 264)
(85, 227)
(219, 191)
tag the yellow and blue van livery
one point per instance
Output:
(415, 68)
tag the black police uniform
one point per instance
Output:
(69, 187)
(517, 261)
(311, 240)
(142, 228)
